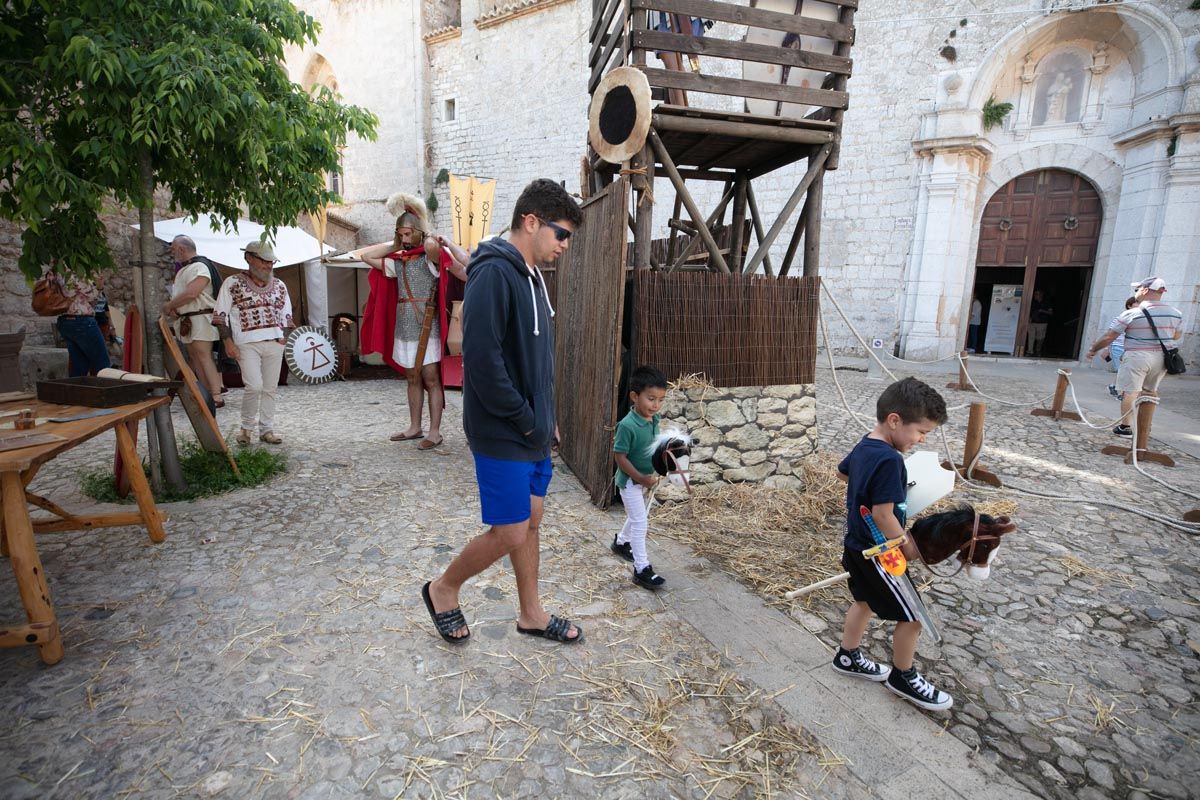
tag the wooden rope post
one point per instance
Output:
(964, 383)
(1060, 397)
(1192, 516)
(1145, 421)
(974, 443)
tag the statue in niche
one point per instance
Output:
(1056, 99)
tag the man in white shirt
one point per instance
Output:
(252, 314)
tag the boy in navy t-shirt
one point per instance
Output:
(874, 472)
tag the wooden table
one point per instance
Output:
(18, 468)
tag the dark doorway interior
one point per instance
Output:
(1065, 289)
(985, 279)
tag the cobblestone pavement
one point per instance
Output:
(275, 645)
(1075, 666)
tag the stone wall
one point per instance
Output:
(747, 433)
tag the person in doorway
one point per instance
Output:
(86, 352)
(413, 260)
(1117, 349)
(191, 307)
(633, 446)
(1040, 314)
(1148, 328)
(508, 409)
(253, 313)
(976, 319)
(876, 478)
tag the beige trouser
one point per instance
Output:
(260, 363)
(1034, 338)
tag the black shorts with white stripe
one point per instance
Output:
(871, 584)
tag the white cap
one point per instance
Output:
(1150, 284)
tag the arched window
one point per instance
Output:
(317, 76)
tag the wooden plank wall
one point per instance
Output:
(590, 284)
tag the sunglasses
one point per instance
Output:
(560, 233)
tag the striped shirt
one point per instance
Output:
(1136, 328)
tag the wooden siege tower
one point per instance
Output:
(736, 92)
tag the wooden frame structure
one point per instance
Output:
(717, 144)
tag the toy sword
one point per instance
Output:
(887, 552)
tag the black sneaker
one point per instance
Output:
(855, 664)
(625, 550)
(647, 578)
(918, 691)
(1123, 430)
(1112, 389)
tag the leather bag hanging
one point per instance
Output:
(48, 297)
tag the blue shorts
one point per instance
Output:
(506, 486)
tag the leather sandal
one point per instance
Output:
(556, 631)
(446, 622)
(400, 437)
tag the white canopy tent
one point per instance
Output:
(307, 283)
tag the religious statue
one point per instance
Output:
(1056, 99)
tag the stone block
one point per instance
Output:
(43, 364)
(791, 447)
(727, 457)
(771, 422)
(705, 473)
(748, 437)
(803, 411)
(693, 411)
(708, 436)
(788, 391)
(783, 482)
(751, 474)
(701, 454)
(754, 457)
(772, 405)
(724, 414)
(749, 409)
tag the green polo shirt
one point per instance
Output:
(635, 437)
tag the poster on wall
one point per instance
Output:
(1002, 318)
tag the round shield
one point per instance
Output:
(310, 355)
(619, 117)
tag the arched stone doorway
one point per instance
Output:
(1033, 268)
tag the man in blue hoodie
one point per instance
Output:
(508, 408)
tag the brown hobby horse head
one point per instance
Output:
(974, 537)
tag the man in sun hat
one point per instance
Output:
(1142, 365)
(253, 314)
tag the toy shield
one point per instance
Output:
(310, 355)
(619, 117)
(928, 481)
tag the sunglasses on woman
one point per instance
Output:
(560, 233)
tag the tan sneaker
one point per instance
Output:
(270, 437)
(243, 436)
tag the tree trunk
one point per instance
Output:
(168, 453)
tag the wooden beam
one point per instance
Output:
(812, 227)
(743, 15)
(737, 236)
(756, 221)
(602, 22)
(741, 51)
(707, 174)
(794, 244)
(737, 87)
(674, 231)
(739, 116)
(673, 173)
(740, 130)
(600, 67)
(845, 17)
(815, 165)
(717, 214)
(32, 633)
(92, 522)
(643, 223)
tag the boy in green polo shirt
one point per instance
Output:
(632, 450)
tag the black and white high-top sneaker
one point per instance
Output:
(913, 687)
(623, 549)
(856, 665)
(647, 578)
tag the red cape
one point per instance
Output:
(378, 330)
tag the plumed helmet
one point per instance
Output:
(409, 211)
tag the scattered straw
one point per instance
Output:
(1076, 567)
(696, 380)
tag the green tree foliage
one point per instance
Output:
(90, 88)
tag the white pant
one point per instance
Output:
(260, 363)
(637, 503)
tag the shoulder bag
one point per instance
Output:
(1172, 358)
(48, 297)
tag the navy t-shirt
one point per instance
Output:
(876, 474)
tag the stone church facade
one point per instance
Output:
(1089, 181)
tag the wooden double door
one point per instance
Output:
(1040, 231)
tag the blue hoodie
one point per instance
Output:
(508, 356)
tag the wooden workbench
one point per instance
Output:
(17, 470)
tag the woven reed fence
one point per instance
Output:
(737, 330)
(590, 288)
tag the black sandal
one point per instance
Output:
(556, 631)
(446, 622)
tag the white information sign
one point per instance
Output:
(1001, 336)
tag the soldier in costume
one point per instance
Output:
(411, 262)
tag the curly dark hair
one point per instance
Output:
(913, 400)
(549, 201)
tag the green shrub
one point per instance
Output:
(994, 113)
(206, 474)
